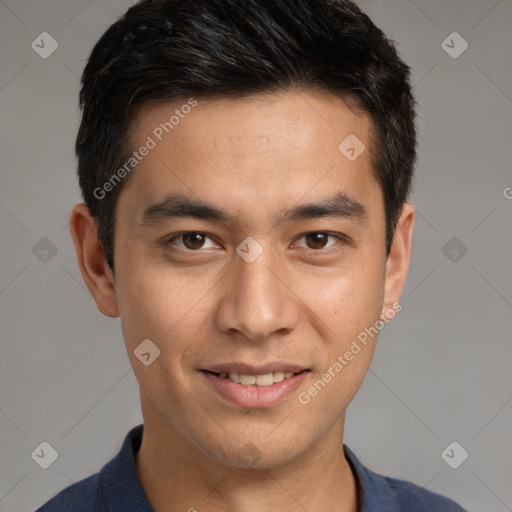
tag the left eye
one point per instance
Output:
(318, 240)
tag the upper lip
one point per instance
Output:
(249, 369)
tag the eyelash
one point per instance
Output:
(341, 238)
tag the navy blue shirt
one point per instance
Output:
(116, 488)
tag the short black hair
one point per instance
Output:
(168, 49)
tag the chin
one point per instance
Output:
(255, 453)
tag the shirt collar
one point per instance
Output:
(119, 488)
(373, 491)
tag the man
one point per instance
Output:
(245, 167)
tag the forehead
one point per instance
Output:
(259, 150)
(261, 121)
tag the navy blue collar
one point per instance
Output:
(118, 488)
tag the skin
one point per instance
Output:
(298, 302)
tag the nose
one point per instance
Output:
(258, 299)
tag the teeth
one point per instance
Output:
(260, 380)
(247, 380)
(265, 380)
(234, 377)
(278, 376)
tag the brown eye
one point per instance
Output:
(317, 239)
(193, 241)
(189, 241)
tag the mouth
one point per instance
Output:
(253, 387)
(262, 379)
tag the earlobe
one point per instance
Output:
(397, 264)
(91, 260)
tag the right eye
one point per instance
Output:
(191, 241)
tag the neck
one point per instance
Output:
(178, 476)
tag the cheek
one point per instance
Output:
(168, 310)
(159, 303)
(348, 308)
(348, 298)
(348, 336)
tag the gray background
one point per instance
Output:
(442, 370)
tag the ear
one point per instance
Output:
(398, 260)
(92, 262)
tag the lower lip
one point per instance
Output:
(254, 396)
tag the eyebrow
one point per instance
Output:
(178, 206)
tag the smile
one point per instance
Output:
(261, 389)
(266, 379)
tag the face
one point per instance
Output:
(248, 246)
